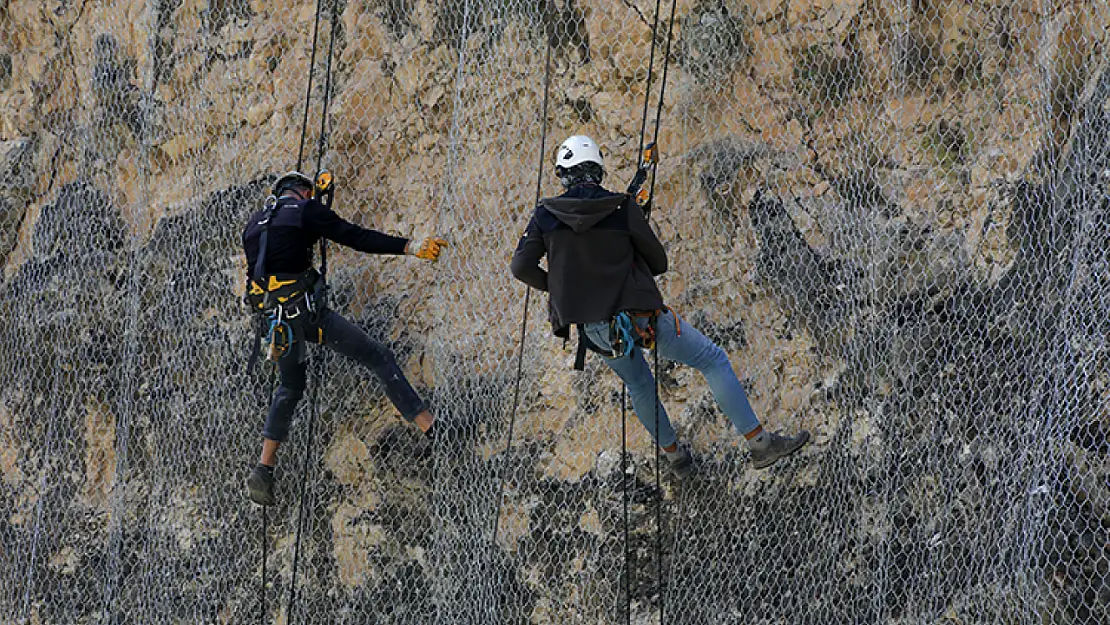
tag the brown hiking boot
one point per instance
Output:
(779, 447)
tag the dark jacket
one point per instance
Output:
(601, 256)
(296, 225)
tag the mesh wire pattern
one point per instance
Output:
(891, 214)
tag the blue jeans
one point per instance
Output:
(690, 348)
(348, 339)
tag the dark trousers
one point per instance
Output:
(349, 340)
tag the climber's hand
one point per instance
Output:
(429, 249)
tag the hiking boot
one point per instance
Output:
(779, 447)
(260, 485)
(681, 462)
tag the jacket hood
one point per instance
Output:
(583, 213)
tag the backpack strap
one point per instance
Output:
(580, 352)
(260, 263)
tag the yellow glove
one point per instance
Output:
(429, 249)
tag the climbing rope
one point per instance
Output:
(311, 77)
(662, 86)
(651, 194)
(647, 87)
(655, 350)
(658, 487)
(527, 296)
(265, 545)
(318, 364)
(322, 142)
(624, 485)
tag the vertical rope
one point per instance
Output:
(292, 603)
(308, 92)
(117, 571)
(322, 140)
(658, 489)
(647, 89)
(300, 162)
(262, 586)
(265, 529)
(442, 498)
(662, 90)
(624, 483)
(527, 299)
(655, 350)
(317, 364)
(624, 388)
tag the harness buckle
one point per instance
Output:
(268, 205)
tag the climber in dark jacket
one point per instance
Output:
(602, 257)
(278, 242)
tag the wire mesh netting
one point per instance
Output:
(892, 215)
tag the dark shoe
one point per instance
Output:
(681, 462)
(779, 447)
(260, 486)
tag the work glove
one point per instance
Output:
(429, 249)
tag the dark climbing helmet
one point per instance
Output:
(292, 180)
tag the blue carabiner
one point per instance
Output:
(626, 339)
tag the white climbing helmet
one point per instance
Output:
(577, 150)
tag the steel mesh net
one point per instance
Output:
(891, 215)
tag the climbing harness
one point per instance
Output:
(286, 307)
(625, 333)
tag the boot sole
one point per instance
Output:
(766, 462)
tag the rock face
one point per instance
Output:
(891, 215)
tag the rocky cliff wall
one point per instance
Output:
(890, 214)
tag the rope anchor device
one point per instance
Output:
(649, 158)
